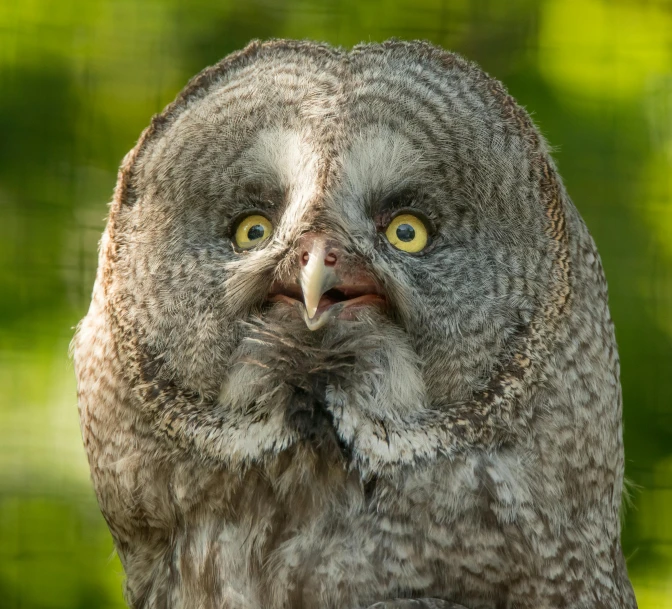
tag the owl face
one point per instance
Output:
(304, 232)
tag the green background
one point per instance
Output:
(79, 80)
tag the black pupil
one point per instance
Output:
(405, 232)
(255, 232)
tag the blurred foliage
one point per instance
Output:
(79, 80)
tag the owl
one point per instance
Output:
(349, 346)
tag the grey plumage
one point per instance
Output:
(462, 443)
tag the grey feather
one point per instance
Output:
(462, 444)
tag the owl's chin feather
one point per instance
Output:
(318, 379)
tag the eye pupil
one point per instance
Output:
(405, 232)
(255, 232)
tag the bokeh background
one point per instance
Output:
(79, 80)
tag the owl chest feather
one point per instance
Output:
(303, 534)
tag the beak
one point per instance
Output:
(317, 276)
(331, 283)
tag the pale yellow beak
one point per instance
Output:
(316, 277)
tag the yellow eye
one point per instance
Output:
(253, 230)
(407, 233)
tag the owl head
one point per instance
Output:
(371, 246)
